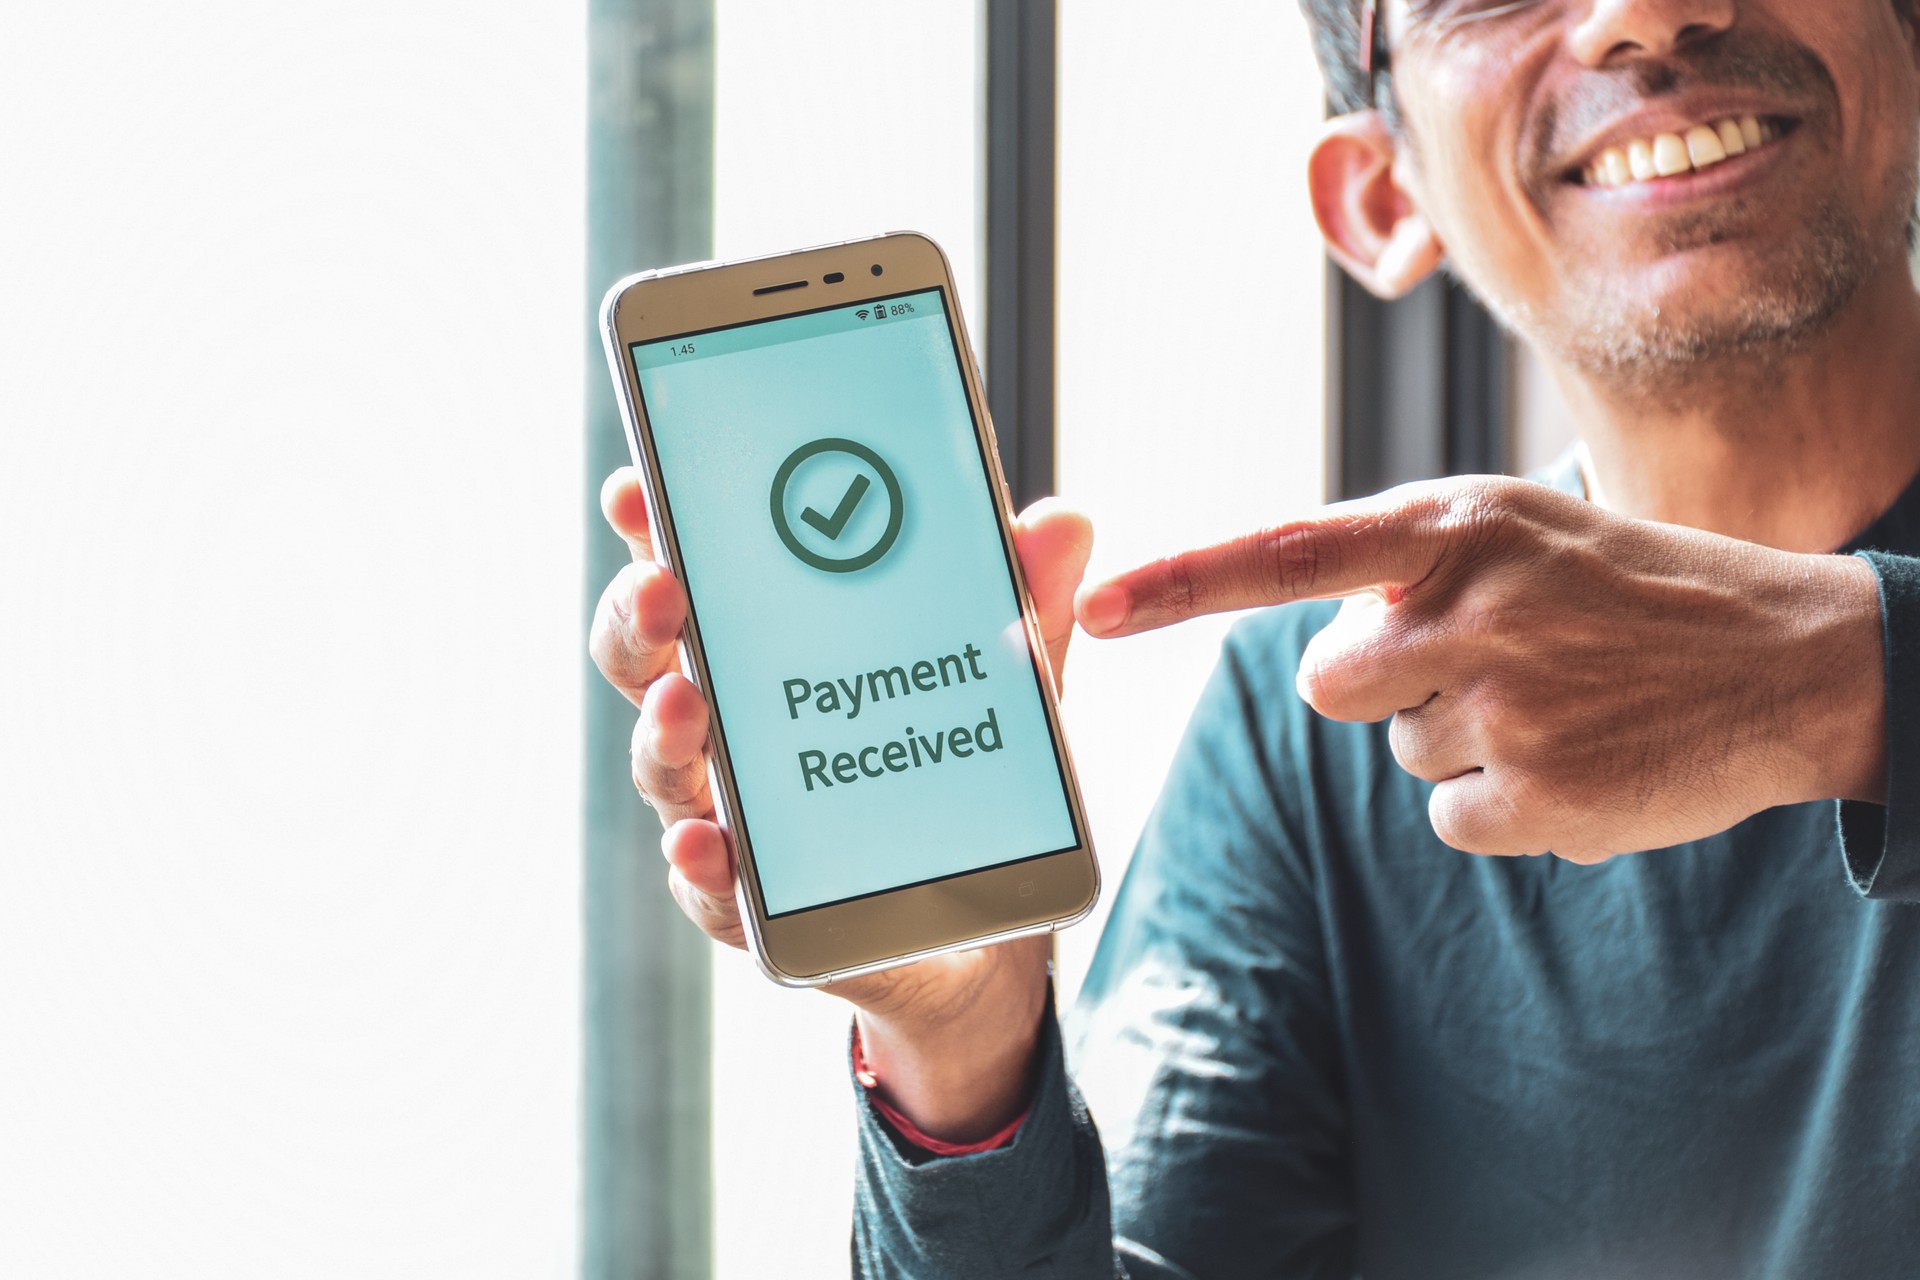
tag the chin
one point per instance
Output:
(1769, 305)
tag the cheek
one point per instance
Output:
(1870, 55)
(1464, 137)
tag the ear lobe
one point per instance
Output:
(1370, 224)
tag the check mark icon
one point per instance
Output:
(833, 524)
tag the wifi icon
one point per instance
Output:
(863, 313)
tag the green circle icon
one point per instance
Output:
(830, 525)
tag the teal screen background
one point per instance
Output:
(725, 415)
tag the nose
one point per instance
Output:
(1614, 31)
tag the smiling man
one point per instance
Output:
(1318, 1039)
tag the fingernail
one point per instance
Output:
(1103, 608)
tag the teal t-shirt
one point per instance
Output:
(1318, 1042)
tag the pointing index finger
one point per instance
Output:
(1365, 545)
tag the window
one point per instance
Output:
(1192, 346)
(289, 672)
(1190, 363)
(830, 121)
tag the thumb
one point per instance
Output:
(1053, 542)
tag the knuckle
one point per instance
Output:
(1323, 679)
(715, 916)
(672, 788)
(1324, 684)
(1407, 738)
(1446, 814)
(1490, 815)
(1297, 561)
(1477, 508)
(1180, 590)
(1474, 516)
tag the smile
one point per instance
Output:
(1667, 155)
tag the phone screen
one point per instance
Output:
(870, 670)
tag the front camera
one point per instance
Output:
(877, 268)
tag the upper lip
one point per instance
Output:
(1673, 115)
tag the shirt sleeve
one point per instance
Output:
(1034, 1207)
(1203, 1034)
(1882, 842)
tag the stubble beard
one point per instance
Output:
(1794, 288)
(1633, 346)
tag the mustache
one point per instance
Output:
(1735, 59)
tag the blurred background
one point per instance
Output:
(332, 942)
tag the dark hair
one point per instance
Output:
(1335, 25)
(1336, 43)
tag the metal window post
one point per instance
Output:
(645, 1109)
(1022, 49)
(1415, 388)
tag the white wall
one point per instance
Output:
(834, 119)
(1187, 412)
(1192, 349)
(290, 361)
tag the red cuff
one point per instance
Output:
(910, 1131)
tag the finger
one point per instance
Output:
(669, 766)
(634, 628)
(1054, 543)
(1437, 741)
(1371, 661)
(1486, 812)
(700, 877)
(1387, 544)
(624, 503)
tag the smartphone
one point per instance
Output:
(886, 753)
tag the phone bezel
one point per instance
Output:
(815, 946)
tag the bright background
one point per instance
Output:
(1191, 358)
(290, 508)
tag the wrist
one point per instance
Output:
(1842, 728)
(960, 1069)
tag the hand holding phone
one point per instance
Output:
(882, 749)
(952, 1035)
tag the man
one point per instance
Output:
(1319, 1041)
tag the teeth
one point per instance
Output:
(1670, 155)
(1703, 147)
(1640, 161)
(1667, 154)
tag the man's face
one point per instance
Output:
(1508, 118)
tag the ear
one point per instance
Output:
(1370, 223)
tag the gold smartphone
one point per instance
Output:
(886, 753)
